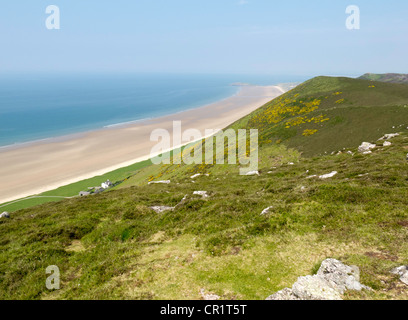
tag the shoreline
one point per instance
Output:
(51, 163)
(123, 124)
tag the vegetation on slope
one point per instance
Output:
(114, 246)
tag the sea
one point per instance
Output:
(36, 106)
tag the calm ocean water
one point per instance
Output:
(39, 107)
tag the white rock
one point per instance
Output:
(209, 296)
(201, 193)
(366, 147)
(285, 294)
(389, 136)
(5, 214)
(402, 272)
(160, 182)
(341, 277)
(330, 282)
(314, 288)
(266, 211)
(329, 175)
(291, 164)
(253, 173)
(160, 209)
(195, 176)
(387, 144)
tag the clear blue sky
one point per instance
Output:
(291, 37)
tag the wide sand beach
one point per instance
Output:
(37, 167)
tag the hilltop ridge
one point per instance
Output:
(386, 77)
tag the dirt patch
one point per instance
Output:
(76, 246)
(403, 223)
(381, 256)
(235, 251)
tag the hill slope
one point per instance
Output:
(387, 77)
(114, 246)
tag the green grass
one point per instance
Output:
(73, 189)
(129, 251)
(113, 246)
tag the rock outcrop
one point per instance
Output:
(366, 147)
(402, 272)
(331, 281)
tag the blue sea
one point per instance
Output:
(35, 107)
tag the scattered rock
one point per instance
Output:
(5, 214)
(329, 175)
(363, 175)
(198, 175)
(160, 182)
(350, 153)
(209, 296)
(266, 211)
(331, 281)
(402, 272)
(201, 193)
(389, 136)
(160, 209)
(366, 147)
(387, 144)
(253, 173)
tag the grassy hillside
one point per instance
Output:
(114, 246)
(387, 77)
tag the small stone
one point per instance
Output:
(329, 175)
(253, 173)
(5, 214)
(209, 296)
(402, 272)
(160, 182)
(161, 209)
(266, 211)
(387, 144)
(389, 136)
(204, 194)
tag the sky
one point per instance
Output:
(291, 37)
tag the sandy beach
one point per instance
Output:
(45, 165)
